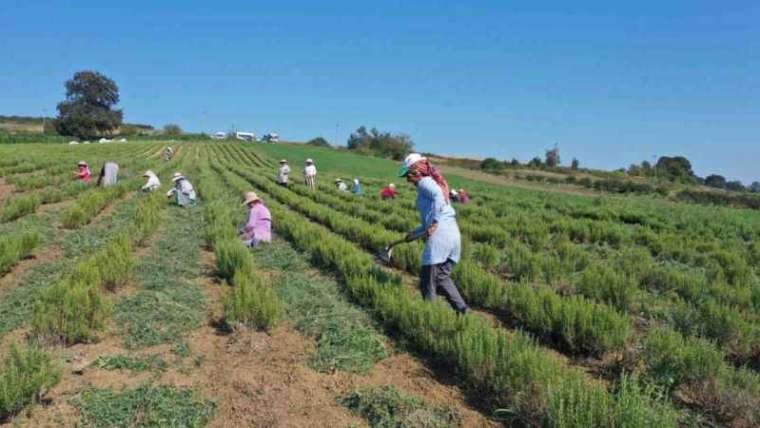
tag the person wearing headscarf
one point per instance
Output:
(443, 246)
(258, 229)
(341, 185)
(464, 197)
(84, 175)
(153, 181)
(109, 174)
(357, 188)
(389, 192)
(183, 190)
(310, 174)
(283, 173)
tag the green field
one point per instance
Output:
(589, 310)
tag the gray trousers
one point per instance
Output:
(436, 279)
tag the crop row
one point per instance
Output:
(668, 358)
(508, 369)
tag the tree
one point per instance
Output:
(552, 157)
(755, 187)
(87, 111)
(634, 170)
(575, 164)
(514, 162)
(172, 129)
(535, 162)
(735, 185)
(715, 180)
(491, 165)
(318, 142)
(675, 168)
(385, 144)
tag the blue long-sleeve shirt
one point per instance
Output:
(445, 243)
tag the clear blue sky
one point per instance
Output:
(610, 82)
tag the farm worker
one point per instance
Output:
(342, 186)
(109, 174)
(464, 197)
(389, 192)
(168, 153)
(259, 226)
(454, 195)
(183, 190)
(283, 173)
(153, 182)
(84, 173)
(443, 246)
(310, 174)
(357, 189)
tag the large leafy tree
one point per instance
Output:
(88, 110)
(385, 144)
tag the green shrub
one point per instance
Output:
(24, 374)
(252, 302)
(115, 262)
(16, 247)
(386, 407)
(70, 312)
(673, 361)
(603, 284)
(19, 207)
(232, 256)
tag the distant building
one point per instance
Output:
(219, 135)
(271, 137)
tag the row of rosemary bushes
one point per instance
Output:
(250, 301)
(15, 247)
(681, 365)
(507, 370)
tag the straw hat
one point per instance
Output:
(392, 186)
(177, 176)
(309, 160)
(148, 173)
(251, 197)
(284, 161)
(338, 180)
(82, 163)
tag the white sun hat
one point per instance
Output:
(309, 160)
(177, 176)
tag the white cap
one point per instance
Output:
(412, 159)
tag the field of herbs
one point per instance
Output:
(614, 311)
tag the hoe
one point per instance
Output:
(385, 253)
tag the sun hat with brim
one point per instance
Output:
(338, 179)
(148, 173)
(177, 176)
(283, 161)
(251, 197)
(82, 163)
(310, 160)
(392, 186)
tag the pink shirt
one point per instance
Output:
(259, 223)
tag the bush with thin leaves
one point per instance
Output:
(20, 206)
(251, 301)
(15, 247)
(25, 373)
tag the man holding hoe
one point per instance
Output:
(439, 225)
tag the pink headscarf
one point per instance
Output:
(424, 168)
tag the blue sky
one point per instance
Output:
(611, 84)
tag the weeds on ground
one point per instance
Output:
(146, 406)
(386, 407)
(135, 363)
(25, 372)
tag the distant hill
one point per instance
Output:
(36, 123)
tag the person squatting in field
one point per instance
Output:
(258, 229)
(183, 190)
(389, 192)
(283, 173)
(153, 182)
(310, 174)
(357, 188)
(341, 185)
(84, 175)
(168, 153)
(443, 246)
(109, 174)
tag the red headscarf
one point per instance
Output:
(424, 168)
